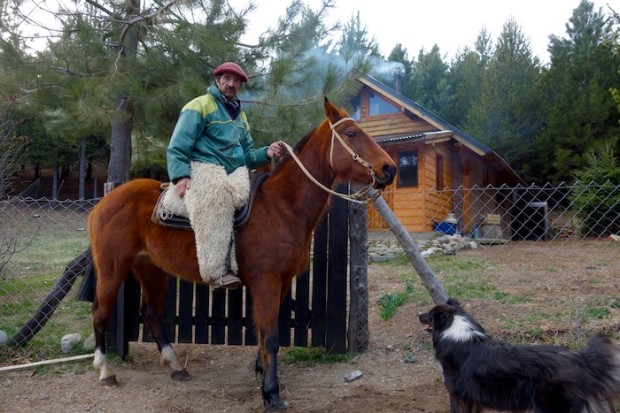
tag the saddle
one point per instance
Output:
(241, 217)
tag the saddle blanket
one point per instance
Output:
(170, 210)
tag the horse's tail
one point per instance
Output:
(89, 283)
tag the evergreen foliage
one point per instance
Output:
(111, 72)
(597, 201)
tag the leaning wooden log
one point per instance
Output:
(80, 265)
(437, 292)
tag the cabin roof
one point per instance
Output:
(445, 130)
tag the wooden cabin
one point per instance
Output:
(437, 162)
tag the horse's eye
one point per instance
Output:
(350, 133)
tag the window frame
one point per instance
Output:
(408, 181)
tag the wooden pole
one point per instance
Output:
(9, 369)
(437, 292)
(358, 331)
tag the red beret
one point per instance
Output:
(230, 67)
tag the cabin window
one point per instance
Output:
(379, 106)
(439, 172)
(357, 111)
(408, 169)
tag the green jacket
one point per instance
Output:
(205, 132)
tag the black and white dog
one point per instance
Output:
(482, 373)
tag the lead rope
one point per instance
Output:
(360, 197)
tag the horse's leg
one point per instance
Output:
(154, 287)
(266, 311)
(259, 366)
(103, 305)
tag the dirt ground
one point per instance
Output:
(399, 371)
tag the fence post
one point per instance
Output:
(335, 335)
(358, 331)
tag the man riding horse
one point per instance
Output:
(208, 158)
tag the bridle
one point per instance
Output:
(362, 196)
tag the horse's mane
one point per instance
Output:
(299, 146)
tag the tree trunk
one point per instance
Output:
(55, 179)
(120, 146)
(437, 292)
(82, 170)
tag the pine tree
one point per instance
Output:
(507, 113)
(581, 109)
(465, 77)
(428, 80)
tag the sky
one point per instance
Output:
(451, 24)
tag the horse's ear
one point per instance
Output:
(331, 111)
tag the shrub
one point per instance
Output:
(597, 201)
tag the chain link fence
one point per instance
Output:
(41, 243)
(563, 238)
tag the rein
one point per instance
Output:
(362, 196)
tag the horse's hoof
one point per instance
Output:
(109, 381)
(180, 375)
(276, 406)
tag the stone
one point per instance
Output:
(69, 341)
(4, 338)
(356, 374)
(89, 343)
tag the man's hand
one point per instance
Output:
(275, 151)
(182, 186)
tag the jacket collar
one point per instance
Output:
(233, 107)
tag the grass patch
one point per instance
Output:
(34, 285)
(48, 252)
(72, 316)
(463, 277)
(390, 303)
(311, 356)
(595, 313)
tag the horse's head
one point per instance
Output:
(354, 155)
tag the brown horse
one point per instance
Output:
(271, 248)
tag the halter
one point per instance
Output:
(362, 196)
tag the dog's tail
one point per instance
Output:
(603, 358)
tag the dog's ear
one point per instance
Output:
(453, 302)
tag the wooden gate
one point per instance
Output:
(313, 314)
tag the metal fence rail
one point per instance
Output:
(564, 212)
(575, 224)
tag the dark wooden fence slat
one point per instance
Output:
(284, 320)
(335, 337)
(218, 317)
(186, 305)
(302, 312)
(202, 314)
(235, 316)
(116, 330)
(146, 333)
(250, 332)
(170, 309)
(319, 284)
(132, 308)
